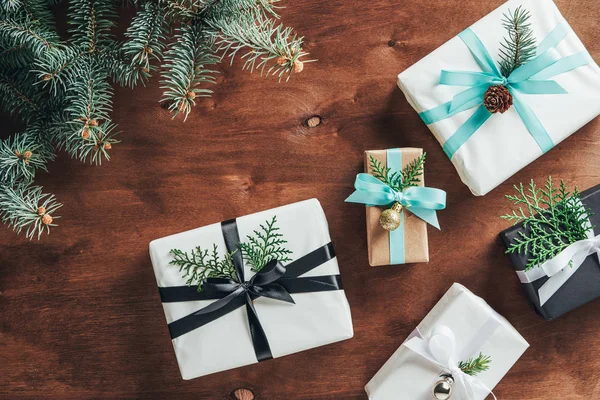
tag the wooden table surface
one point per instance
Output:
(80, 312)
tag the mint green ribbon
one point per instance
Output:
(421, 201)
(530, 78)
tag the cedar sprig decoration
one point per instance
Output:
(264, 245)
(519, 46)
(399, 180)
(475, 365)
(200, 264)
(555, 217)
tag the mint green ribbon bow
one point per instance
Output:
(530, 78)
(421, 201)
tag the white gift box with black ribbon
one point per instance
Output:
(460, 326)
(320, 315)
(486, 149)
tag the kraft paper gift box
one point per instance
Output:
(581, 287)
(475, 327)
(414, 206)
(504, 144)
(320, 315)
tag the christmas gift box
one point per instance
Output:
(399, 207)
(462, 349)
(246, 290)
(505, 91)
(555, 249)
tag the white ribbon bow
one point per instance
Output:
(441, 350)
(560, 268)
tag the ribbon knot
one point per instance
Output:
(561, 267)
(421, 201)
(399, 197)
(530, 78)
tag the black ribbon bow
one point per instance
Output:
(274, 281)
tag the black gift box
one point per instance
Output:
(582, 287)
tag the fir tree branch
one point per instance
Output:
(25, 207)
(91, 22)
(475, 365)
(146, 36)
(22, 154)
(26, 33)
(186, 63)
(519, 46)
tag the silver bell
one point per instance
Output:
(442, 390)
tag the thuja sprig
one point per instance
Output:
(475, 365)
(519, 46)
(399, 180)
(555, 217)
(264, 245)
(200, 264)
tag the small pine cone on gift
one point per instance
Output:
(497, 99)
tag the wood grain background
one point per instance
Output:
(80, 312)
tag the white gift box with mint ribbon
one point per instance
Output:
(554, 95)
(460, 326)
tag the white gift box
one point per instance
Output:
(477, 329)
(316, 318)
(503, 145)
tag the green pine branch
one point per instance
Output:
(475, 365)
(399, 180)
(519, 46)
(24, 207)
(187, 67)
(61, 87)
(555, 217)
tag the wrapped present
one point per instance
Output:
(246, 290)
(399, 207)
(494, 115)
(461, 350)
(568, 275)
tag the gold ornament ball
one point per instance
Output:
(390, 219)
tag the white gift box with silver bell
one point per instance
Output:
(460, 326)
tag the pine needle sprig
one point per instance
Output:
(21, 209)
(556, 218)
(264, 245)
(200, 264)
(519, 46)
(399, 180)
(475, 365)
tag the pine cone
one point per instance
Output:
(41, 210)
(497, 99)
(282, 60)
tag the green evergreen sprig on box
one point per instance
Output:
(61, 88)
(555, 217)
(399, 180)
(519, 47)
(264, 245)
(475, 365)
